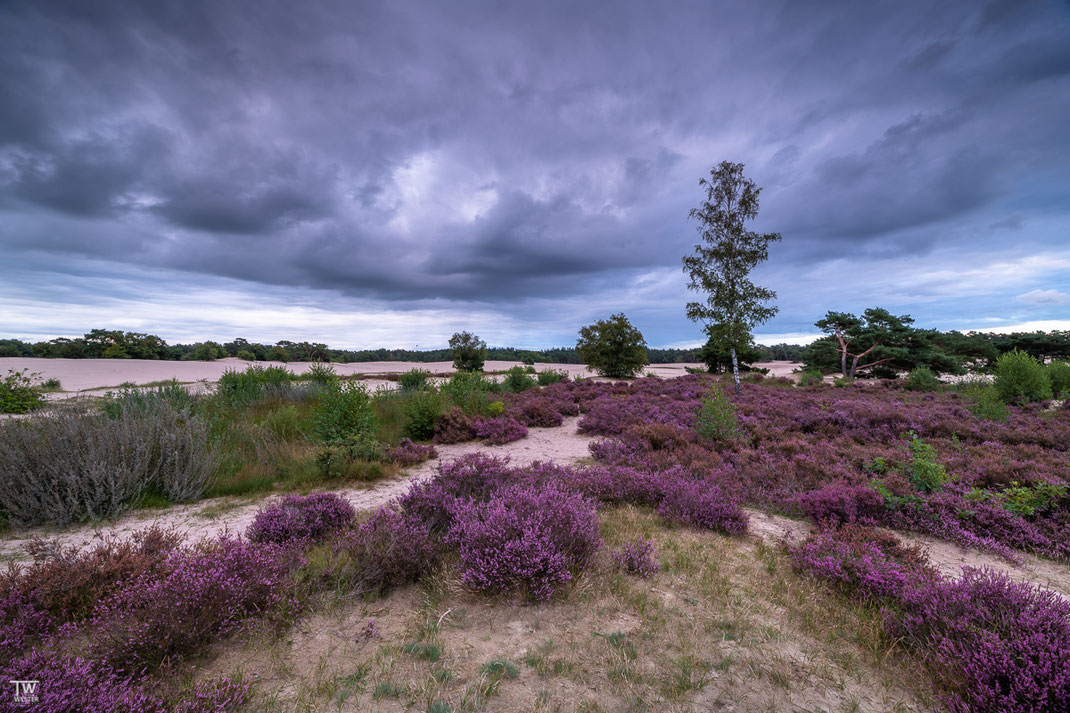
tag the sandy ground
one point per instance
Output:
(78, 376)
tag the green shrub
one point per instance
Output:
(552, 376)
(246, 355)
(922, 379)
(717, 416)
(18, 393)
(613, 347)
(924, 471)
(422, 410)
(320, 373)
(985, 401)
(1021, 378)
(285, 423)
(1059, 376)
(840, 382)
(517, 380)
(496, 408)
(1026, 500)
(469, 351)
(244, 386)
(415, 380)
(811, 377)
(130, 398)
(469, 391)
(351, 460)
(344, 412)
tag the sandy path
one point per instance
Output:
(209, 518)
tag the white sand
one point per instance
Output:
(97, 375)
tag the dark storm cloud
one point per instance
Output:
(494, 151)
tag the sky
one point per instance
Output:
(386, 174)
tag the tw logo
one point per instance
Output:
(25, 691)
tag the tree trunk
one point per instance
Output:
(854, 368)
(735, 371)
(843, 362)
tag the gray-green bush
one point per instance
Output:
(717, 416)
(75, 466)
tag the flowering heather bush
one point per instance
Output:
(475, 475)
(202, 594)
(704, 505)
(74, 684)
(63, 584)
(534, 539)
(994, 644)
(408, 453)
(636, 557)
(536, 412)
(390, 549)
(300, 518)
(841, 503)
(497, 431)
(454, 426)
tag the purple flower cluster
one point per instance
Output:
(704, 505)
(300, 518)
(390, 549)
(202, 594)
(994, 644)
(531, 538)
(636, 557)
(472, 476)
(408, 453)
(498, 431)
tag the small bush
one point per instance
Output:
(343, 413)
(469, 351)
(717, 416)
(985, 402)
(415, 380)
(300, 518)
(1021, 379)
(636, 557)
(18, 393)
(613, 347)
(922, 379)
(1059, 376)
(408, 453)
(842, 503)
(924, 472)
(517, 380)
(390, 549)
(245, 386)
(469, 391)
(321, 373)
(498, 431)
(204, 594)
(472, 476)
(421, 410)
(337, 459)
(811, 377)
(703, 505)
(537, 413)
(454, 426)
(552, 376)
(534, 539)
(77, 466)
(246, 355)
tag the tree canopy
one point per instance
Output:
(613, 347)
(722, 262)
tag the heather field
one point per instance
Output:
(537, 543)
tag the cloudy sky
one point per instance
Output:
(385, 175)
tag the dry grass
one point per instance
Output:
(726, 625)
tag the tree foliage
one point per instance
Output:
(716, 353)
(613, 347)
(879, 343)
(722, 262)
(469, 351)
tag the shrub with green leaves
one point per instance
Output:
(1059, 376)
(717, 416)
(130, 398)
(613, 347)
(517, 380)
(344, 413)
(1020, 378)
(469, 351)
(320, 373)
(415, 380)
(469, 391)
(422, 410)
(811, 377)
(245, 386)
(18, 393)
(924, 471)
(922, 379)
(552, 376)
